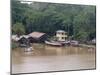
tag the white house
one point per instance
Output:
(61, 35)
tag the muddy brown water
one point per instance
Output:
(47, 58)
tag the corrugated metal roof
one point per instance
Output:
(60, 31)
(36, 34)
(15, 37)
(25, 36)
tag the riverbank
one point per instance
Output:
(88, 46)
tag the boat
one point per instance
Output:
(74, 43)
(65, 42)
(53, 43)
(28, 49)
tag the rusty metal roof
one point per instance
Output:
(36, 34)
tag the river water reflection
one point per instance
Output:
(47, 58)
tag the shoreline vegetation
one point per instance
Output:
(16, 45)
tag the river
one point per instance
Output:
(47, 58)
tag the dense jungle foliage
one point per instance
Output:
(78, 20)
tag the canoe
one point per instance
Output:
(53, 43)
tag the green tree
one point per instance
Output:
(18, 29)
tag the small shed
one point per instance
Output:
(24, 40)
(21, 40)
(37, 37)
(61, 35)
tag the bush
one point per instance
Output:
(14, 45)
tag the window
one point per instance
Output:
(63, 37)
(62, 33)
(65, 33)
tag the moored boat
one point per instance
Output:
(74, 43)
(53, 43)
(28, 49)
(64, 42)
